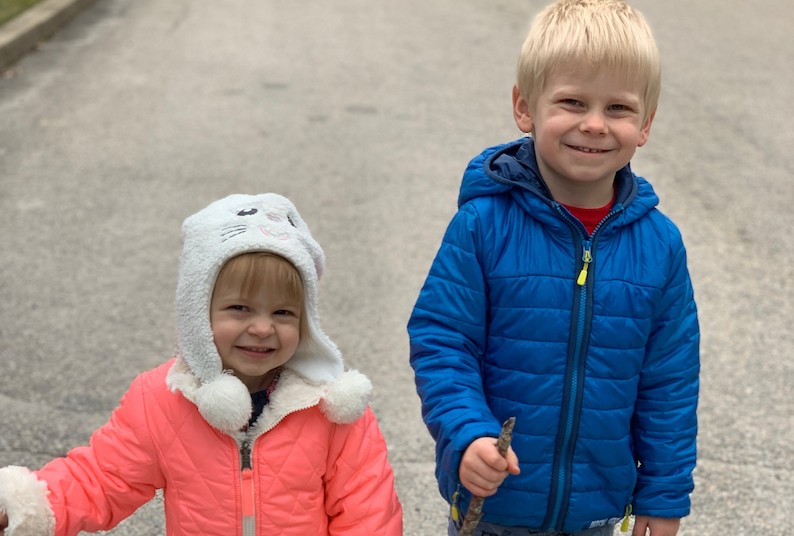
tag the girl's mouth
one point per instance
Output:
(256, 350)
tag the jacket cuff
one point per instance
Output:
(23, 498)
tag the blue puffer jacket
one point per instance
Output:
(597, 359)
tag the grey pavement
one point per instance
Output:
(136, 114)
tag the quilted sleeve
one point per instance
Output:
(664, 427)
(447, 340)
(360, 499)
(95, 487)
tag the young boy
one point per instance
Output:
(254, 428)
(560, 296)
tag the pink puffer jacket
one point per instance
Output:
(308, 476)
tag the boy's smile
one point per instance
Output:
(586, 126)
(255, 334)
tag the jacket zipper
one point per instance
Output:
(575, 387)
(247, 476)
(247, 489)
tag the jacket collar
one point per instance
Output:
(512, 167)
(342, 400)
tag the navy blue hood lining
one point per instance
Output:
(514, 165)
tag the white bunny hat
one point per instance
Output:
(226, 228)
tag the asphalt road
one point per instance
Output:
(365, 113)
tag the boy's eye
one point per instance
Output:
(623, 108)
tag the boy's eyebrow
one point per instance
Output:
(563, 91)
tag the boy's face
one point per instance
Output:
(586, 125)
(254, 334)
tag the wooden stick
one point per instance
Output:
(474, 513)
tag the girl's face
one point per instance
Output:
(587, 125)
(254, 332)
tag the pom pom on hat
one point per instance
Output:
(225, 403)
(346, 398)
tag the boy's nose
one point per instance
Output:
(594, 123)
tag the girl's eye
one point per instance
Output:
(284, 312)
(241, 308)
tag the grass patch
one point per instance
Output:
(11, 8)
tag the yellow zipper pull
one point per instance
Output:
(624, 526)
(586, 257)
(454, 512)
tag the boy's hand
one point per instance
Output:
(483, 469)
(658, 526)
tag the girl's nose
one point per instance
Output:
(261, 326)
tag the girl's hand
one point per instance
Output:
(658, 526)
(3, 523)
(483, 469)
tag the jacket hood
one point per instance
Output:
(513, 167)
(226, 228)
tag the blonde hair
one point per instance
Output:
(253, 271)
(604, 34)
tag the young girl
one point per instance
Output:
(253, 428)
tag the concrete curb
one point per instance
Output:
(22, 33)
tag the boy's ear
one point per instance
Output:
(645, 131)
(521, 112)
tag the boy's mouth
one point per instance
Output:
(586, 149)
